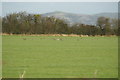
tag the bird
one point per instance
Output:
(24, 38)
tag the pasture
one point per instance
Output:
(59, 57)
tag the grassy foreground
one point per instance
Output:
(60, 57)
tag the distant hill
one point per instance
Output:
(72, 18)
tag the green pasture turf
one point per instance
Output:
(59, 57)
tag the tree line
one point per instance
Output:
(25, 23)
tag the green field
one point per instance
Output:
(69, 57)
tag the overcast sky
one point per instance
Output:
(72, 7)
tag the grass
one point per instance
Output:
(71, 57)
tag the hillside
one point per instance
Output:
(73, 18)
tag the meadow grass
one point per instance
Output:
(68, 57)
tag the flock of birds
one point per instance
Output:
(53, 39)
(57, 39)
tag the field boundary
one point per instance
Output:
(71, 35)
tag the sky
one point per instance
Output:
(60, 0)
(72, 7)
